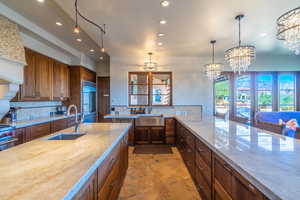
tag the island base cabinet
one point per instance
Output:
(89, 191)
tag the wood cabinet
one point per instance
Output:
(20, 135)
(170, 130)
(112, 171)
(61, 85)
(89, 191)
(103, 88)
(58, 125)
(149, 135)
(37, 131)
(44, 79)
(214, 177)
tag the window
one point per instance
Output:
(264, 86)
(150, 88)
(222, 90)
(286, 83)
(243, 96)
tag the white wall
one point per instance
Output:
(190, 86)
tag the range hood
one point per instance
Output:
(12, 62)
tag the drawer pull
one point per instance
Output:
(200, 150)
(200, 167)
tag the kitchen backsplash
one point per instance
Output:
(183, 110)
(33, 110)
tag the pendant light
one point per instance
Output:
(77, 29)
(149, 65)
(241, 56)
(213, 70)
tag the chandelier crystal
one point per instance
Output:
(240, 57)
(288, 29)
(149, 65)
(213, 70)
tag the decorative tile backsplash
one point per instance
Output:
(34, 110)
(11, 45)
(182, 110)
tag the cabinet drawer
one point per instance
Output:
(202, 186)
(223, 175)
(203, 168)
(170, 140)
(20, 135)
(107, 165)
(190, 139)
(204, 151)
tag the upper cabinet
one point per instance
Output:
(45, 79)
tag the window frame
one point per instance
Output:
(224, 77)
(150, 87)
(273, 90)
(295, 90)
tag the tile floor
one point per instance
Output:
(157, 177)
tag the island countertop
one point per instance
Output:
(268, 160)
(55, 169)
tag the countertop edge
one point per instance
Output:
(261, 187)
(76, 188)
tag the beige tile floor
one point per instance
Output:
(157, 177)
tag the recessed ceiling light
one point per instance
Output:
(163, 22)
(79, 40)
(92, 50)
(101, 58)
(165, 3)
(160, 44)
(58, 23)
(263, 34)
(161, 34)
(41, 1)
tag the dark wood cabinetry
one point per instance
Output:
(44, 79)
(214, 177)
(149, 135)
(89, 191)
(58, 125)
(20, 135)
(170, 130)
(37, 131)
(103, 88)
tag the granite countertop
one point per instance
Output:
(268, 160)
(53, 169)
(25, 123)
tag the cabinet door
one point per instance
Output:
(65, 81)
(242, 189)
(157, 135)
(37, 131)
(142, 135)
(89, 191)
(44, 67)
(20, 135)
(28, 88)
(58, 125)
(57, 81)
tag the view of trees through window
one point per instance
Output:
(222, 97)
(243, 96)
(286, 92)
(264, 92)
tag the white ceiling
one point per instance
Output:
(132, 25)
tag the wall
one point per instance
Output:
(190, 86)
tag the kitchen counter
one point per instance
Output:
(25, 123)
(268, 160)
(52, 169)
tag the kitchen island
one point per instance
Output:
(66, 169)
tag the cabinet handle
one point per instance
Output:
(251, 188)
(200, 167)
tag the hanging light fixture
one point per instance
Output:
(77, 29)
(213, 70)
(240, 57)
(149, 65)
(288, 29)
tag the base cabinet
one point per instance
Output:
(214, 178)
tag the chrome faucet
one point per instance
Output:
(77, 122)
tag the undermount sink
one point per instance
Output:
(66, 136)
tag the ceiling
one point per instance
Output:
(133, 25)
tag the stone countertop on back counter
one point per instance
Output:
(268, 160)
(55, 169)
(25, 123)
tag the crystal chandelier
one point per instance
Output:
(213, 70)
(240, 57)
(288, 29)
(149, 65)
